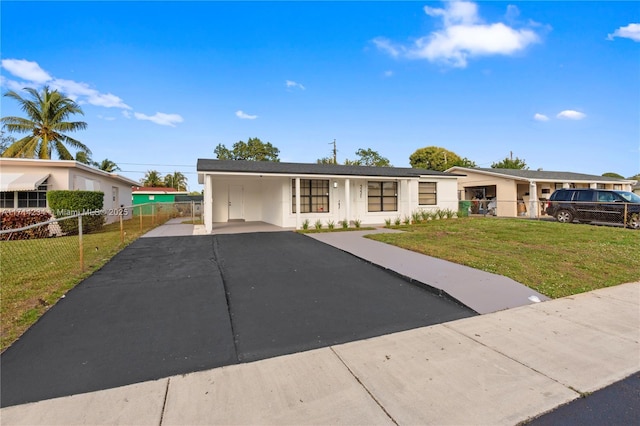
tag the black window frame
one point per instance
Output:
(380, 197)
(314, 196)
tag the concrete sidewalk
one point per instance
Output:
(499, 368)
(483, 292)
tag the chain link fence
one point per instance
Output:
(39, 263)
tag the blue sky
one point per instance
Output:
(162, 83)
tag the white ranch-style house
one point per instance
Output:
(288, 194)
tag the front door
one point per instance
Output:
(236, 202)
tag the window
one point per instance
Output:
(6, 200)
(559, 186)
(617, 187)
(427, 193)
(33, 199)
(382, 196)
(314, 196)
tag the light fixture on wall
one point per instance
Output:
(335, 184)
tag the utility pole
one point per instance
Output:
(335, 152)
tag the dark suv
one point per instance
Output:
(595, 205)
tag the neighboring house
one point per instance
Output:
(24, 183)
(154, 194)
(636, 188)
(266, 191)
(523, 192)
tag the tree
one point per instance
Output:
(5, 141)
(510, 163)
(176, 180)
(108, 166)
(613, 175)
(83, 157)
(437, 158)
(369, 157)
(152, 178)
(47, 112)
(636, 177)
(254, 150)
(325, 160)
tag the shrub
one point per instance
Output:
(426, 215)
(305, 224)
(331, 224)
(318, 224)
(406, 220)
(357, 222)
(344, 223)
(449, 213)
(69, 203)
(13, 219)
(387, 222)
(440, 213)
(397, 222)
(416, 217)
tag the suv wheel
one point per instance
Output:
(564, 216)
(633, 221)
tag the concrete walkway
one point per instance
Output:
(500, 368)
(481, 291)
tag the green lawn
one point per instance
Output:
(552, 258)
(34, 274)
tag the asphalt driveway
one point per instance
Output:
(174, 305)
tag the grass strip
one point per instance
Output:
(552, 258)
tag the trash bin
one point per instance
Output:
(463, 208)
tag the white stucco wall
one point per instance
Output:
(269, 199)
(68, 175)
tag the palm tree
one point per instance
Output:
(47, 112)
(152, 178)
(108, 166)
(176, 180)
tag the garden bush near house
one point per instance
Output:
(69, 203)
(331, 224)
(13, 219)
(305, 224)
(357, 223)
(387, 222)
(318, 224)
(344, 223)
(416, 216)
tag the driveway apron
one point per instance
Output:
(173, 305)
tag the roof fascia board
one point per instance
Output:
(311, 175)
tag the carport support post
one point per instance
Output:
(347, 200)
(298, 203)
(208, 203)
(533, 200)
(140, 214)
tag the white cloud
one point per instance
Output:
(26, 70)
(463, 36)
(631, 31)
(386, 46)
(34, 76)
(245, 116)
(106, 118)
(160, 118)
(82, 93)
(388, 73)
(290, 83)
(540, 117)
(570, 114)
